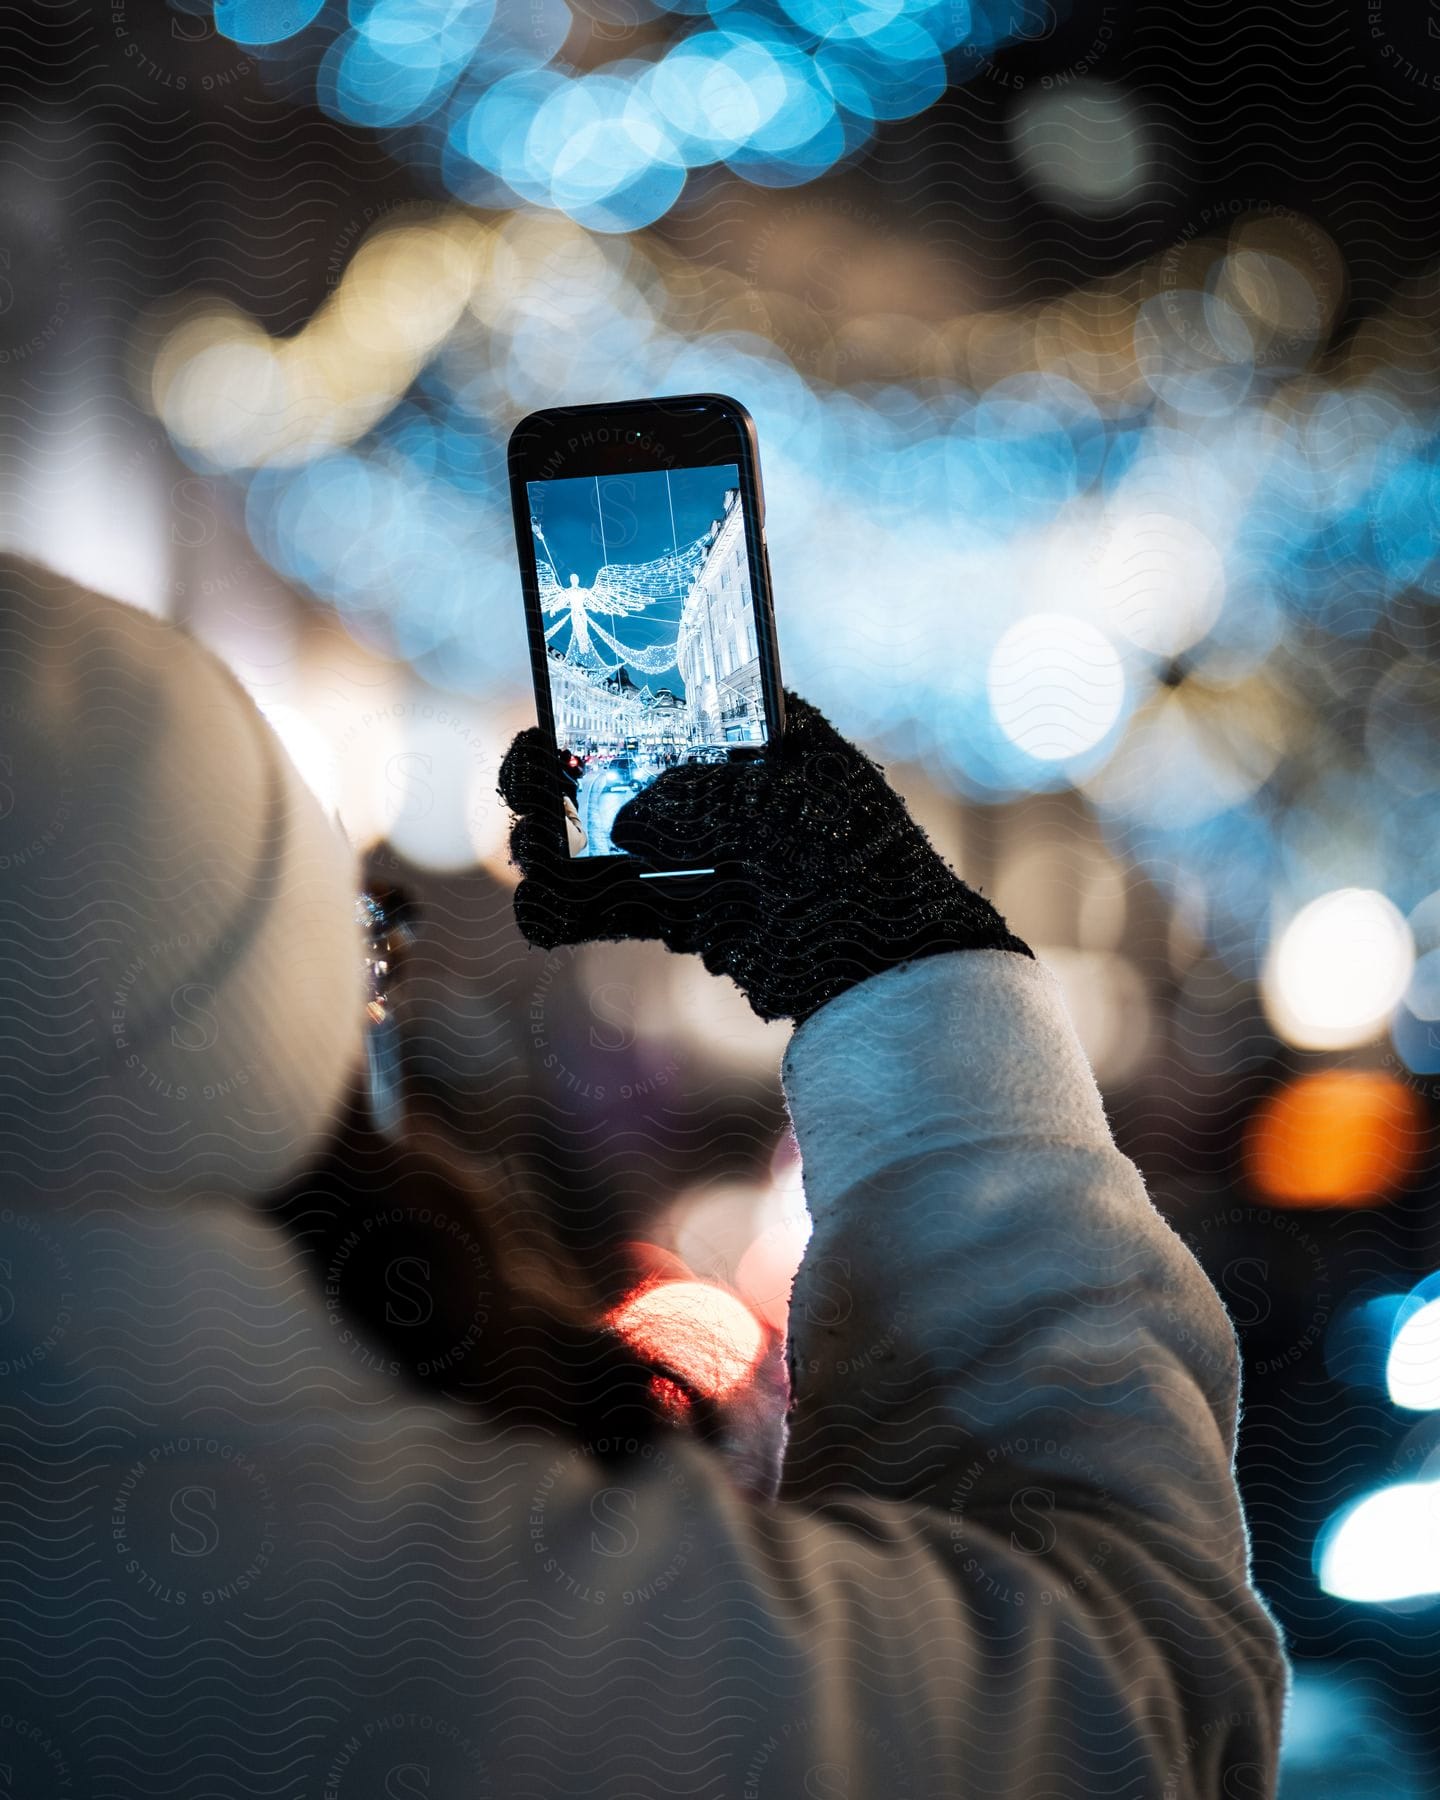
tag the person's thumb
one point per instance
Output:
(685, 816)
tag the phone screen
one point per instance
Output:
(652, 647)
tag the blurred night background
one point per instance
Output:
(1094, 351)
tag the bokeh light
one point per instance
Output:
(1412, 1369)
(1056, 686)
(1161, 519)
(308, 748)
(1415, 1028)
(1337, 970)
(1084, 144)
(1385, 1547)
(779, 93)
(264, 21)
(1339, 1137)
(1161, 580)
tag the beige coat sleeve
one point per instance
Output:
(1008, 1559)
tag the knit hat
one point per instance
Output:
(180, 967)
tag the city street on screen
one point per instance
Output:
(650, 637)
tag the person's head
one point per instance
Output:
(185, 1001)
(180, 982)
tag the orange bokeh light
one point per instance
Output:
(703, 1332)
(1342, 1137)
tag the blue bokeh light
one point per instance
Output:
(261, 22)
(780, 91)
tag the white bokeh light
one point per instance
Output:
(438, 786)
(1337, 970)
(1056, 685)
(1086, 145)
(1161, 581)
(308, 748)
(227, 397)
(1412, 1370)
(1387, 1547)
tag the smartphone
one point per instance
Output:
(641, 533)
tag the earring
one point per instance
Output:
(385, 917)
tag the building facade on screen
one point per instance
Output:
(596, 708)
(715, 651)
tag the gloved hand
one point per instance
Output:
(822, 878)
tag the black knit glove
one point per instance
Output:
(822, 878)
